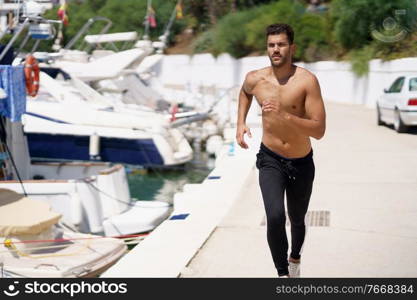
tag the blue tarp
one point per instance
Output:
(12, 80)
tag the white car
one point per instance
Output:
(398, 104)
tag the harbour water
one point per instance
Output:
(161, 185)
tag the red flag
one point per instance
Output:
(62, 12)
(151, 17)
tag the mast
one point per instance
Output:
(170, 22)
(148, 9)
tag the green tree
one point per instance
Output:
(285, 11)
(243, 32)
(354, 20)
(230, 34)
(126, 15)
(309, 28)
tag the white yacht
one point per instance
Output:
(68, 120)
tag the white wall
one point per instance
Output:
(337, 81)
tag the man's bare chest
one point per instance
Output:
(290, 96)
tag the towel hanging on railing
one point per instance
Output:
(12, 81)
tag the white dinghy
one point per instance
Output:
(32, 244)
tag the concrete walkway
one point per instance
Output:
(366, 178)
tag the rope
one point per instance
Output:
(8, 243)
(111, 197)
(128, 241)
(13, 247)
(76, 239)
(105, 194)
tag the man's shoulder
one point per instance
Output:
(305, 74)
(255, 75)
(308, 82)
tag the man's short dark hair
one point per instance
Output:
(281, 28)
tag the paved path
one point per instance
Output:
(366, 178)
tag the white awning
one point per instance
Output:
(111, 37)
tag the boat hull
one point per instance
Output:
(116, 150)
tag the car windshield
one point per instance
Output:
(413, 84)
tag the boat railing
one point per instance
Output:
(27, 22)
(46, 35)
(85, 29)
(127, 38)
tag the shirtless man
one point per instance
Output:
(292, 112)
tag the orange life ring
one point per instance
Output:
(32, 75)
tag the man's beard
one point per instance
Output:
(283, 60)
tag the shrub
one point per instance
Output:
(243, 32)
(284, 11)
(354, 20)
(310, 36)
(230, 34)
(205, 42)
(359, 60)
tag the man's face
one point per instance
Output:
(279, 49)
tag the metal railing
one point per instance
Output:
(86, 27)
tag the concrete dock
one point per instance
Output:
(362, 216)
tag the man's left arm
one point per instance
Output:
(314, 124)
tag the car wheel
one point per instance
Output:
(398, 123)
(378, 116)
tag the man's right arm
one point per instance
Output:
(245, 101)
